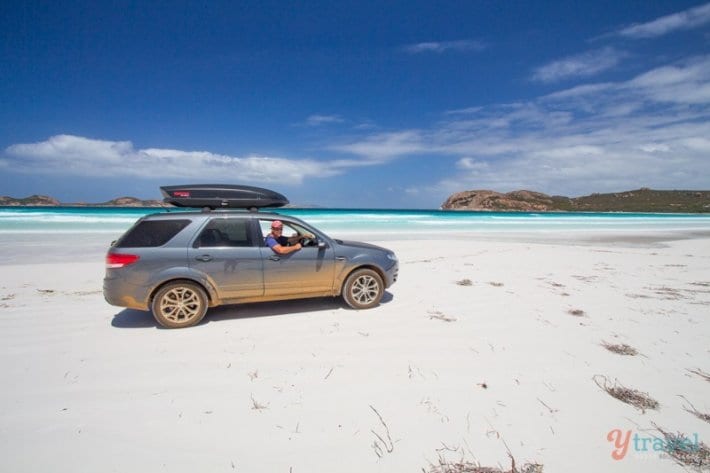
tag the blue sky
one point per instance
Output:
(353, 104)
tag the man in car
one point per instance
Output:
(280, 244)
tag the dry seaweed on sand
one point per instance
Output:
(701, 373)
(465, 282)
(700, 415)
(381, 444)
(620, 349)
(440, 316)
(704, 416)
(446, 466)
(685, 451)
(633, 397)
(576, 312)
(257, 406)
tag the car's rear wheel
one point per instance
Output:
(363, 289)
(179, 304)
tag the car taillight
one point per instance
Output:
(118, 260)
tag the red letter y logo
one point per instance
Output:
(621, 443)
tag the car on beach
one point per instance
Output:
(179, 264)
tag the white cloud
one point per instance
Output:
(443, 46)
(685, 83)
(685, 20)
(576, 151)
(654, 148)
(472, 166)
(579, 91)
(317, 120)
(581, 65)
(650, 131)
(383, 147)
(464, 111)
(75, 155)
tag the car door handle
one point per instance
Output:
(204, 258)
(274, 258)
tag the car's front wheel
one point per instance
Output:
(179, 304)
(363, 289)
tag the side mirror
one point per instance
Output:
(321, 244)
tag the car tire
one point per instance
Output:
(179, 304)
(363, 289)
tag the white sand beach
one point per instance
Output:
(482, 349)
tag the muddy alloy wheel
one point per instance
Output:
(179, 304)
(363, 289)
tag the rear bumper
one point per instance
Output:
(119, 293)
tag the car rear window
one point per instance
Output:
(151, 233)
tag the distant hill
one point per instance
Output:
(133, 202)
(46, 201)
(641, 200)
(34, 200)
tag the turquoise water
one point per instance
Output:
(390, 223)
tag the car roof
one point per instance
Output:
(170, 215)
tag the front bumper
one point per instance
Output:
(391, 274)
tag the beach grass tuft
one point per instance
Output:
(465, 282)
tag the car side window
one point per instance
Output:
(289, 229)
(225, 232)
(265, 225)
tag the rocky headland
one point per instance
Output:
(641, 200)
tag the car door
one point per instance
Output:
(226, 252)
(309, 270)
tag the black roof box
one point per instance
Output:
(222, 196)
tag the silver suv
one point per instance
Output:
(178, 264)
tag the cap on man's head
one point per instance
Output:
(277, 224)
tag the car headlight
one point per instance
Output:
(392, 256)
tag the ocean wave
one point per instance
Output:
(104, 221)
(84, 220)
(66, 231)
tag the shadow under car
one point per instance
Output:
(131, 318)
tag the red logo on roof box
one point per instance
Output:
(181, 194)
